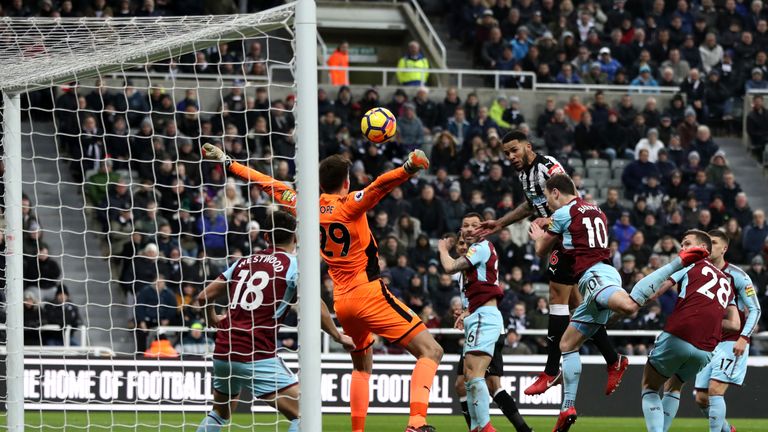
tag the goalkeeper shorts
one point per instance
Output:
(371, 308)
(262, 377)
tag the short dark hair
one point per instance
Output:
(333, 172)
(563, 183)
(514, 135)
(701, 236)
(472, 214)
(719, 234)
(280, 228)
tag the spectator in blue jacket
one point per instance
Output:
(636, 172)
(622, 231)
(645, 79)
(521, 43)
(755, 234)
(567, 75)
(608, 65)
(213, 227)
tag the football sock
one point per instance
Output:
(212, 423)
(465, 410)
(421, 384)
(479, 402)
(571, 375)
(601, 341)
(670, 403)
(294, 427)
(648, 285)
(653, 411)
(716, 413)
(559, 317)
(726, 425)
(507, 404)
(358, 403)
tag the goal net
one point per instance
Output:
(122, 224)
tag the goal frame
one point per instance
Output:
(305, 25)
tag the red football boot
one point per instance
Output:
(543, 383)
(615, 372)
(565, 420)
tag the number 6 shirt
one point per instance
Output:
(262, 288)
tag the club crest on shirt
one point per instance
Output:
(359, 195)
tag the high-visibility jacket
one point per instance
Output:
(413, 78)
(339, 59)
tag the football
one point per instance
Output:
(378, 125)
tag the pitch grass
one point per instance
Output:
(74, 421)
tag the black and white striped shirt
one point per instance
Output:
(534, 180)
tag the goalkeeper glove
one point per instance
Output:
(416, 162)
(692, 254)
(213, 153)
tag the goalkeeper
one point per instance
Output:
(260, 288)
(363, 303)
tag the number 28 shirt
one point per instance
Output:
(582, 228)
(705, 293)
(261, 290)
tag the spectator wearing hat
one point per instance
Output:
(665, 166)
(521, 43)
(666, 129)
(757, 82)
(759, 275)
(608, 65)
(688, 128)
(755, 235)
(60, 312)
(627, 271)
(548, 48)
(757, 126)
(691, 167)
(339, 59)
(512, 115)
(710, 52)
(717, 168)
(414, 59)
(645, 79)
(595, 75)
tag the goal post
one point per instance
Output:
(40, 54)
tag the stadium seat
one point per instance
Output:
(601, 163)
(596, 193)
(575, 162)
(589, 183)
(613, 183)
(596, 172)
(579, 170)
(541, 289)
(620, 163)
(617, 172)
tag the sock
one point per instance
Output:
(294, 427)
(601, 341)
(648, 285)
(558, 321)
(421, 383)
(670, 403)
(358, 403)
(506, 402)
(726, 425)
(479, 401)
(212, 423)
(571, 375)
(465, 410)
(653, 411)
(716, 413)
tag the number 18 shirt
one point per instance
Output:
(261, 289)
(705, 293)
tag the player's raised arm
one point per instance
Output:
(649, 285)
(449, 264)
(495, 225)
(282, 194)
(364, 200)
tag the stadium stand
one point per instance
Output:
(658, 163)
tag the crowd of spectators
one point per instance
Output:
(171, 222)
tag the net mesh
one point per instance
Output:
(124, 224)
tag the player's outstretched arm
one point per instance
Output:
(328, 326)
(449, 264)
(648, 286)
(493, 226)
(281, 193)
(544, 240)
(364, 200)
(731, 322)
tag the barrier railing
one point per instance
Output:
(434, 38)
